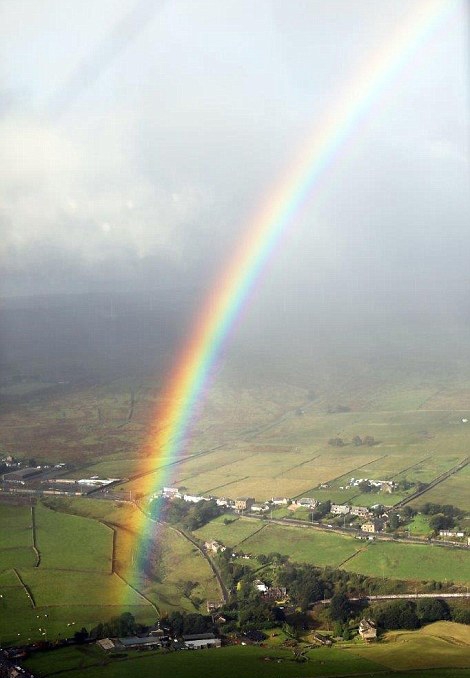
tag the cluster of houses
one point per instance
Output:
(381, 485)
(160, 638)
(249, 505)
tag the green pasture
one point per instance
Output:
(454, 490)
(180, 563)
(229, 662)
(64, 541)
(443, 646)
(236, 531)
(64, 602)
(180, 560)
(419, 525)
(15, 526)
(303, 545)
(436, 646)
(17, 557)
(396, 560)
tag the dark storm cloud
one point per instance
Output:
(169, 130)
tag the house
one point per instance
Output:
(214, 605)
(276, 593)
(361, 511)
(244, 503)
(305, 502)
(214, 546)
(372, 526)
(201, 640)
(193, 498)
(222, 501)
(259, 508)
(171, 493)
(260, 586)
(367, 630)
(280, 501)
(450, 533)
(340, 509)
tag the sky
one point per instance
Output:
(139, 136)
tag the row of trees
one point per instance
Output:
(179, 512)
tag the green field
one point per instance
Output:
(443, 645)
(395, 560)
(236, 531)
(303, 545)
(16, 526)
(64, 541)
(180, 560)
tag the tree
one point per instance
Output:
(394, 521)
(432, 609)
(399, 614)
(357, 441)
(336, 442)
(440, 522)
(340, 608)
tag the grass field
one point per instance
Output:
(303, 545)
(15, 527)
(438, 645)
(395, 560)
(180, 560)
(64, 541)
(238, 530)
(443, 646)
(454, 491)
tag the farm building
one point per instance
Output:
(367, 630)
(130, 643)
(372, 526)
(201, 640)
(280, 501)
(259, 508)
(22, 475)
(244, 503)
(193, 498)
(340, 509)
(171, 493)
(361, 511)
(450, 533)
(214, 546)
(306, 502)
(260, 586)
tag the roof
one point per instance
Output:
(199, 636)
(135, 640)
(24, 472)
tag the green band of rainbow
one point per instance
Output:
(302, 180)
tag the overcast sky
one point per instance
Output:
(137, 137)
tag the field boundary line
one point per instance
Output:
(332, 480)
(251, 535)
(297, 466)
(26, 588)
(212, 565)
(228, 463)
(34, 536)
(139, 593)
(217, 487)
(444, 476)
(408, 468)
(353, 555)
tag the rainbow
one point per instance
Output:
(302, 181)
